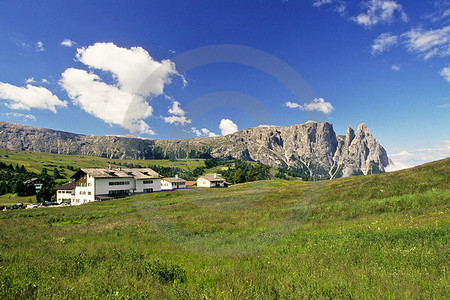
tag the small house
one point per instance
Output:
(65, 192)
(38, 183)
(173, 183)
(210, 181)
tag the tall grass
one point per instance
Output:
(259, 240)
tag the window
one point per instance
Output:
(89, 193)
(148, 190)
(118, 192)
(148, 182)
(119, 183)
(89, 184)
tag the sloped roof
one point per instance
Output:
(212, 178)
(137, 173)
(191, 183)
(34, 180)
(67, 186)
(174, 179)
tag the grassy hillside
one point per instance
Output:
(372, 237)
(35, 161)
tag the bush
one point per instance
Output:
(166, 272)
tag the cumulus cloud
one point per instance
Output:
(29, 97)
(292, 104)
(380, 11)
(177, 120)
(40, 46)
(318, 104)
(176, 109)
(428, 43)
(178, 115)
(413, 157)
(227, 126)
(395, 68)
(137, 76)
(445, 73)
(203, 132)
(106, 102)
(19, 115)
(67, 43)
(383, 42)
(130, 67)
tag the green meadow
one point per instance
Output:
(381, 236)
(36, 161)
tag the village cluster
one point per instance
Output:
(96, 184)
(89, 185)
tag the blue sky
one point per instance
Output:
(168, 69)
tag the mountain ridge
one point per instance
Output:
(312, 147)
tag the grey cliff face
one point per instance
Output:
(312, 147)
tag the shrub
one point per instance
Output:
(166, 272)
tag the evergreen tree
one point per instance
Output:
(19, 188)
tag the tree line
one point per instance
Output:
(13, 180)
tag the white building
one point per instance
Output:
(210, 181)
(65, 193)
(102, 184)
(173, 183)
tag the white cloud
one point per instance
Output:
(380, 11)
(445, 73)
(130, 67)
(395, 68)
(31, 80)
(196, 131)
(203, 132)
(320, 3)
(29, 97)
(383, 42)
(21, 44)
(208, 133)
(67, 43)
(292, 104)
(339, 5)
(414, 157)
(442, 11)
(227, 126)
(428, 43)
(176, 109)
(40, 46)
(106, 102)
(176, 120)
(178, 115)
(318, 104)
(137, 75)
(19, 115)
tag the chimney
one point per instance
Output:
(215, 175)
(176, 176)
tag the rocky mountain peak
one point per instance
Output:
(312, 147)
